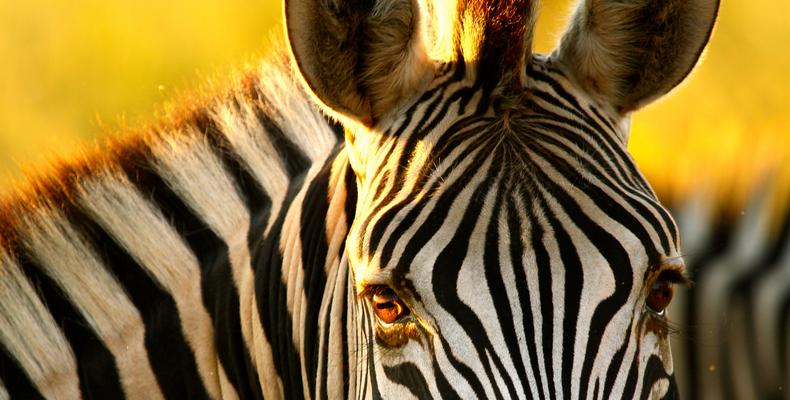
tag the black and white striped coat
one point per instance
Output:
(732, 340)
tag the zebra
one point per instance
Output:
(473, 228)
(732, 322)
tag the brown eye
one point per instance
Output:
(388, 306)
(660, 295)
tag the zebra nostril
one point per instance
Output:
(660, 295)
(388, 307)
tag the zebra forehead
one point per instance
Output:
(499, 190)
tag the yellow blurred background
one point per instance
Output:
(70, 71)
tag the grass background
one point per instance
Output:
(72, 71)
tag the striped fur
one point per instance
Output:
(733, 321)
(149, 284)
(480, 205)
(234, 252)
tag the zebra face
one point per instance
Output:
(504, 243)
(510, 252)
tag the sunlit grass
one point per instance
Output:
(727, 128)
(73, 70)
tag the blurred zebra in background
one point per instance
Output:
(732, 323)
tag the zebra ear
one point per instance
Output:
(359, 57)
(631, 52)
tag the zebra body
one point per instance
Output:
(732, 341)
(478, 230)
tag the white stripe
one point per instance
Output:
(557, 291)
(291, 108)
(3, 393)
(529, 216)
(193, 170)
(337, 282)
(743, 254)
(32, 337)
(142, 230)
(472, 278)
(262, 356)
(422, 279)
(293, 266)
(70, 261)
(293, 276)
(251, 142)
(621, 379)
(507, 266)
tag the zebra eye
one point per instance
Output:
(660, 295)
(387, 305)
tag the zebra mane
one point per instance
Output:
(259, 100)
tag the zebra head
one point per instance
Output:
(504, 243)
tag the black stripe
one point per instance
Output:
(336, 127)
(442, 385)
(409, 219)
(553, 121)
(348, 181)
(621, 190)
(422, 236)
(351, 206)
(543, 263)
(654, 372)
(672, 391)
(448, 264)
(377, 231)
(315, 249)
(606, 244)
(14, 379)
(609, 142)
(572, 288)
(629, 391)
(576, 109)
(293, 158)
(558, 128)
(271, 296)
(95, 363)
(498, 291)
(616, 154)
(608, 121)
(408, 375)
(427, 125)
(362, 326)
(697, 270)
(219, 293)
(597, 389)
(517, 251)
(172, 361)
(375, 393)
(257, 202)
(615, 366)
(611, 207)
(405, 154)
(325, 342)
(783, 336)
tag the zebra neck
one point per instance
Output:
(301, 284)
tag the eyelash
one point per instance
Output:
(675, 276)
